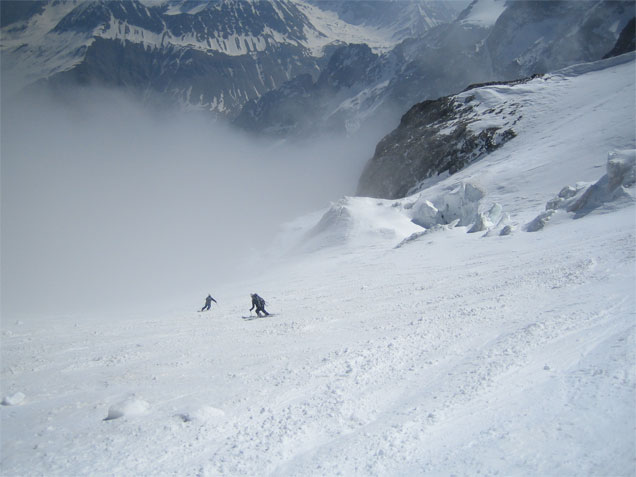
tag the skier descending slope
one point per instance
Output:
(259, 304)
(208, 303)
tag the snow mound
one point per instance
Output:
(130, 407)
(359, 220)
(610, 192)
(334, 226)
(14, 399)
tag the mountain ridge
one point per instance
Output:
(491, 40)
(258, 45)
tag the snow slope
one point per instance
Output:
(395, 349)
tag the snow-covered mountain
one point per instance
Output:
(271, 64)
(491, 40)
(444, 135)
(347, 84)
(392, 20)
(483, 325)
(206, 55)
(437, 138)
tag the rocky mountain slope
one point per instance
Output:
(492, 40)
(211, 56)
(437, 137)
(440, 137)
(297, 67)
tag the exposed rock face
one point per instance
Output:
(302, 105)
(533, 36)
(521, 39)
(359, 87)
(187, 77)
(14, 12)
(434, 137)
(626, 41)
(213, 55)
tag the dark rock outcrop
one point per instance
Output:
(434, 137)
(626, 41)
(534, 36)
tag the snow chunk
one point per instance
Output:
(496, 222)
(539, 221)
(425, 214)
(506, 230)
(486, 221)
(461, 204)
(13, 400)
(610, 191)
(612, 187)
(131, 407)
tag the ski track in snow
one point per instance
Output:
(455, 354)
(503, 352)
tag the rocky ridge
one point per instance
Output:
(207, 55)
(437, 138)
(520, 39)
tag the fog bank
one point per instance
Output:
(107, 205)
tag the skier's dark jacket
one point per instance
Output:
(257, 302)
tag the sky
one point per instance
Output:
(107, 204)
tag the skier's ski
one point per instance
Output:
(254, 317)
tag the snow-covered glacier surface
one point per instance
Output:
(400, 343)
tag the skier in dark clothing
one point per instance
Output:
(259, 304)
(208, 303)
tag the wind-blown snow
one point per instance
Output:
(450, 353)
(484, 13)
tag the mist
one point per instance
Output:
(109, 205)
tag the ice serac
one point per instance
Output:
(613, 190)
